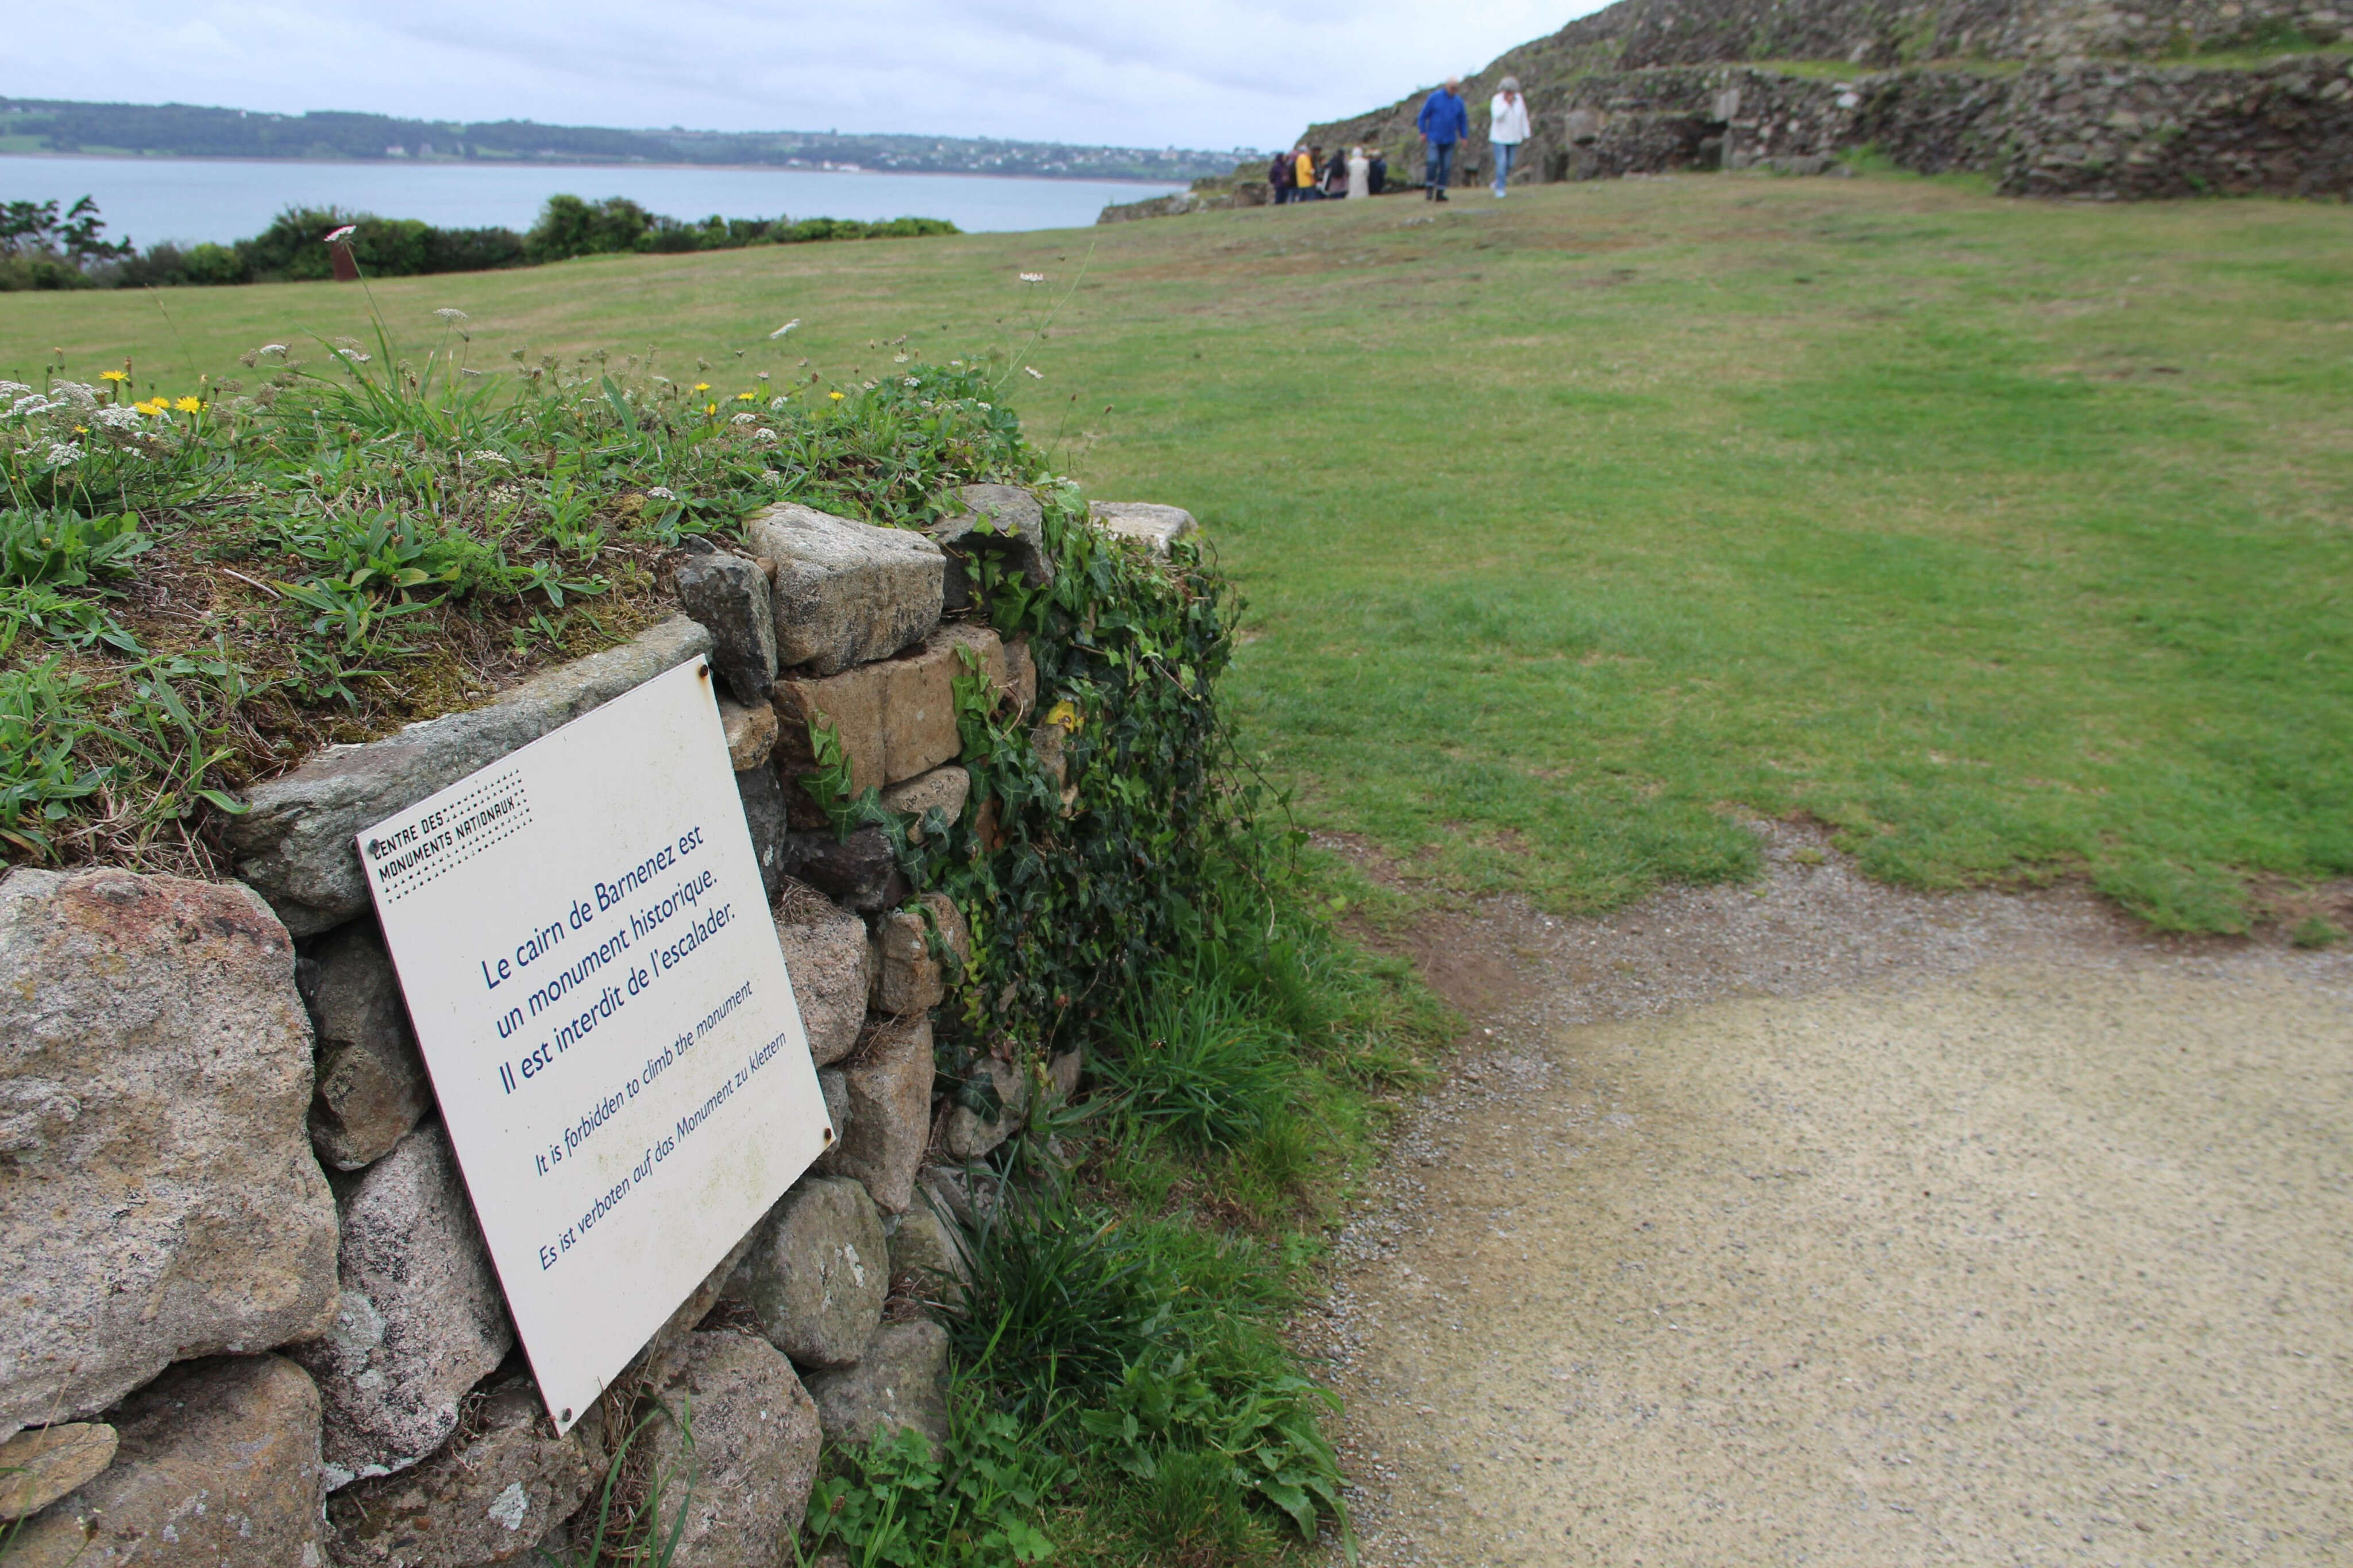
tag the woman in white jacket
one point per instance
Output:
(1507, 127)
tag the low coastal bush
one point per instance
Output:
(40, 249)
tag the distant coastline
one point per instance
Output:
(440, 163)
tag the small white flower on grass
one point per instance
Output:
(763, 434)
(777, 405)
(353, 355)
(913, 382)
(1033, 278)
(270, 349)
(451, 314)
(1033, 373)
(27, 406)
(487, 456)
(983, 407)
(63, 452)
(899, 359)
(663, 493)
(118, 418)
(744, 419)
(787, 327)
(13, 388)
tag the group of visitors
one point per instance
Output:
(1305, 174)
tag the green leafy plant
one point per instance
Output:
(971, 1504)
(53, 546)
(1257, 1433)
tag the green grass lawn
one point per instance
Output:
(2013, 540)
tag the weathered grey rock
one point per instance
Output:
(834, 1084)
(755, 1458)
(890, 1080)
(1001, 521)
(909, 975)
(896, 719)
(969, 1133)
(901, 1381)
(826, 954)
(1152, 526)
(766, 815)
(218, 1463)
(373, 1087)
(420, 1320)
(860, 872)
(158, 1196)
(750, 733)
(943, 790)
(967, 1195)
(487, 1498)
(846, 593)
(926, 1251)
(1020, 681)
(1062, 1072)
(729, 596)
(296, 843)
(817, 1271)
(40, 1466)
(665, 1352)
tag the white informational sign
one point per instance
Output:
(587, 951)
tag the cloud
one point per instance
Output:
(1214, 74)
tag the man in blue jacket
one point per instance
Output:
(1443, 122)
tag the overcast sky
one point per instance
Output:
(1193, 73)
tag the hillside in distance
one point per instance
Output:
(2075, 97)
(190, 130)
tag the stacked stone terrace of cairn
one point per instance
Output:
(250, 1319)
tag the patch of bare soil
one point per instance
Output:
(1824, 1222)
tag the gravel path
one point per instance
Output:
(1823, 1223)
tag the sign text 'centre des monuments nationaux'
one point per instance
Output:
(584, 941)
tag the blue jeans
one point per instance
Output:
(1439, 171)
(1505, 151)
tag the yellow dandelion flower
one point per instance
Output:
(747, 397)
(710, 408)
(114, 375)
(702, 386)
(835, 395)
(189, 405)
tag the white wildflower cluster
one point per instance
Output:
(64, 452)
(27, 406)
(353, 355)
(1033, 278)
(787, 327)
(13, 389)
(1033, 373)
(777, 405)
(663, 493)
(118, 417)
(487, 456)
(450, 314)
(744, 419)
(983, 407)
(899, 359)
(763, 434)
(913, 382)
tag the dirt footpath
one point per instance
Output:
(1823, 1224)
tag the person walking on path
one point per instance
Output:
(1360, 174)
(1279, 179)
(1507, 127)
(1443, 122)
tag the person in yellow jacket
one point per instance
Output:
(1309, 190)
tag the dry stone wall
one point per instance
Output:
(252, 1319)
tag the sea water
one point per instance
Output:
(186, 200)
